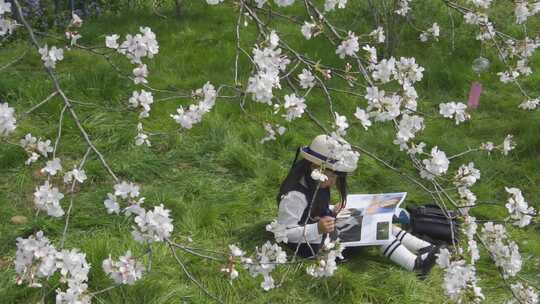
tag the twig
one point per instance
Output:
(191, 277)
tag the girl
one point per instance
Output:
(305, 210)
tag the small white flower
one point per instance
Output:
(341, 124)
(437, 165)
(307, 80)
(52, 167)
(7, 119)
(111, 204)
(378, 34)
(384, 70)
(76, 21)
(363, 117)
(317, 175)
(518, 208)
(47, 198)
(126, 189)
(348, 47)
(279, 231)
(307, 29)
(508, 144)
(51, 56)
(454, 110)
(127, 270)
(284, 3)
(112, 41)
(295, 107)
(78, 175)
(140, 73)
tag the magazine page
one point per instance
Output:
(367, 218)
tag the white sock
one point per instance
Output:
(399, 254)
(408, 240)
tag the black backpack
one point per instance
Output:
(430, 223)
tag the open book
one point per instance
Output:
(367, 218)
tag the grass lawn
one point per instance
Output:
(220, 182)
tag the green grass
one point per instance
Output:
(220, 183)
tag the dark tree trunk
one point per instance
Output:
(178, 4)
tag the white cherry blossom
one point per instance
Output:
(307, 80)
(279, 231)
(7, 119)
(348, 47)
(284, 3)
(51, 56)
(454, 110)
(126, 270)
(52, 167)
(126, 189)
(140, 73)
(518, 208)
(295, 107)
(307, 29)
(153, 226)
(47, 198)
(384, 70)
(111, 204)
(330, 5)
(75, 174)
(112, 41)
(363, 116)
(436, 165)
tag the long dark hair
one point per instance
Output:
(302, 169)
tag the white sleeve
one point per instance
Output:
(291, 208)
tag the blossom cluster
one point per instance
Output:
(267, 257)
(307, 80)
(70, 33)
(465, 177)
(503, 251)
(126, 270)
(279, 230)
(269, 63)
(507, 145)
(341, 151)
(135, 47)
(325, 265)
(194, 114)
(51, 56)
(36, 258)
(47, 197)
(518, 208)
(524, 294)
(7, 119)
(454, 110)
(294, 106)
(237, 255)
(432, 32)
(460, 282)
(151, 225)
(348, 47)
(7, 25)
(437, 165)
(142, 99)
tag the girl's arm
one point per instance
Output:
(291, 208)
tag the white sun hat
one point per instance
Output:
(324, 150)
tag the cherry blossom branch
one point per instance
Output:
(191, 277)
(62, 94)
(14, 61)
(44, 101)
(68, 213)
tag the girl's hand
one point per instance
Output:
(326, 224)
